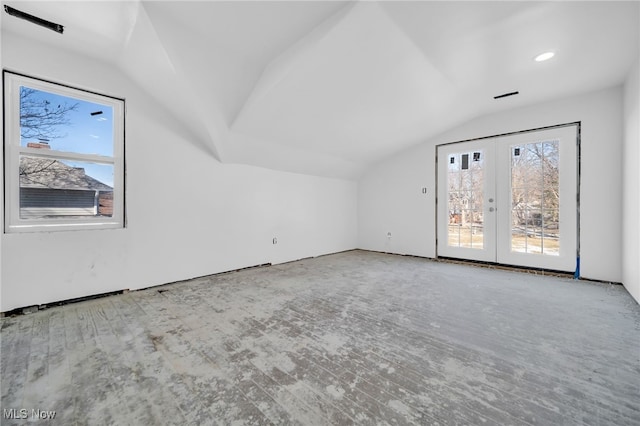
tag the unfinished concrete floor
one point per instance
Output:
(351, 338)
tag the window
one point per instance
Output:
(64, 157)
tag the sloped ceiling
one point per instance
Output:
(329, 88)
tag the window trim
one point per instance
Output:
(13, 150)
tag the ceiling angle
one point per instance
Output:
(34, 19)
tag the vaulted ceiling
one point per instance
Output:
(329, 88)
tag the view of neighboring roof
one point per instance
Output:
(38, 172)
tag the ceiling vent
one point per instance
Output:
(34, 19)
(504, 95)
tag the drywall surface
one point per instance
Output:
(188, 215)
(631, 184)
(391, 198)
(1, 176)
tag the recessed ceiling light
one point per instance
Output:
(544, 56)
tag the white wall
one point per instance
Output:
(631, 184)
(390, 197)
(188, 215)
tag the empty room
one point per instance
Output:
(320, 212)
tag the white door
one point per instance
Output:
(510, 199)
(466, 200)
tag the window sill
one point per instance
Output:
(56, 227)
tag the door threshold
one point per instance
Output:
(500, 266)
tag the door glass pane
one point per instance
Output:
(550, 232)
(465, 182)
(535, 198)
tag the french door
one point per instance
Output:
(510, 199)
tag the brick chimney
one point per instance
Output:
(40, 145)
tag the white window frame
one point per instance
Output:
(13, 150)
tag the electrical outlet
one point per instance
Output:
(275, 240)
(389, 235)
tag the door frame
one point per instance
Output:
(577, 125)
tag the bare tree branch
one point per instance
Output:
(33, 171)
(39, 119)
